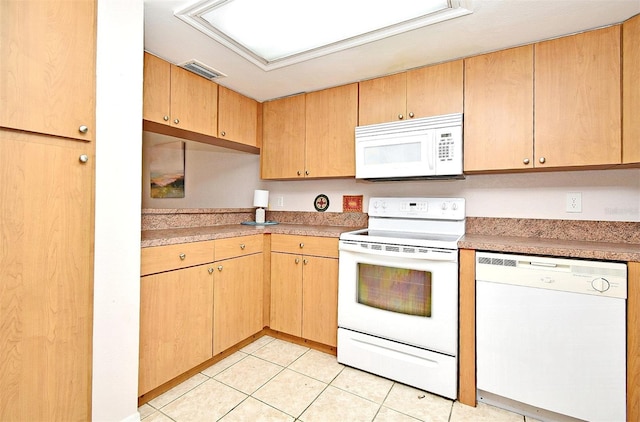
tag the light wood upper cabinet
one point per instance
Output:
(423, 92)
(237, 117)
(47, 67)
(310, 135)
(331, 118)
(498, 110)
(283, 138)
(631, 90)
(176, 324)
(383, 99)
(176, 97)
(157, 90)
(577, 100)
(194, 102)
(435, 90)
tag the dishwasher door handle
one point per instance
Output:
(543, 264)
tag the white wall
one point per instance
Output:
(216, 178)
(117, 221)
(608, 195)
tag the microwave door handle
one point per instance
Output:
(431, 151)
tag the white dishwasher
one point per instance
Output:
(551, 336)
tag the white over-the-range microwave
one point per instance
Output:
(429, 147)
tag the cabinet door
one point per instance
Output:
(47, 70)
(156, 105)
(498, 110)
(237, 117)
(283, 138)
(331, 119)
(320, 300)
(435, 90)
(46, 277)
(577, 107)
(194, 102)
(383, 99)
(286, 293)
(176, 324)
(237, 304)
(631, 90)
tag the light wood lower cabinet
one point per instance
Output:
(192, 308)
(176, 323)
(304, 287)
(46, 277)
(237, 300)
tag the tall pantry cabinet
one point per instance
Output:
(47, 133)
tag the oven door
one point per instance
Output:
(409, 300)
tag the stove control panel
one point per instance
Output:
(421, 208)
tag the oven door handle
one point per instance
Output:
(427, 254)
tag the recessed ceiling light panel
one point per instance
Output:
(277, 33)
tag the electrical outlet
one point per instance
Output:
(279, 201)
(574, 202)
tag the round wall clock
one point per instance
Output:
(321, 202)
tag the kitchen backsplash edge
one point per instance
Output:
(581, 230)
(159, 219)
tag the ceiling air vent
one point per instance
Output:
(202, 70)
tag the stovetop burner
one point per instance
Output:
(423, 222)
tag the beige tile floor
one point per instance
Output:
(273, 380)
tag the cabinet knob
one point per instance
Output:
(525, 161)
(176, 121)
(542, 160)
(182, 256)
(210, 270)
(306, 172)
(223, 133)
(301, 245)
(299, 173)
(219, 267)
(83, 158)
(297, 260)
(242, 246)
(165, 118)
(305, 261)
(83, 129)
(411, 115)
(400, 116)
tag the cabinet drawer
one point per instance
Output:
(165, 258)
(306, 245)
(238, 246)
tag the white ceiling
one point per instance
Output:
(493, 25)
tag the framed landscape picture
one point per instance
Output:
(166, 169)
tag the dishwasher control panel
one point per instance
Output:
(570, 275)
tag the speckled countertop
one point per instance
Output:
(195, 234)
(604, 240)
(171, 226)
(612, 241)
